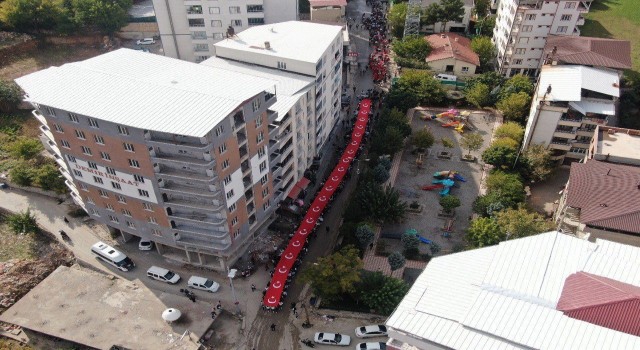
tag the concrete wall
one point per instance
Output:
(139, 30)
(328, 14)
(547, 123)
(440, 66)
(280, 10)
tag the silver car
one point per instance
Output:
(332, 339)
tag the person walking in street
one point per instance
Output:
(219, 306)
(253, 287)
(273, 327)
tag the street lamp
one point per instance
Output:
(232, 275)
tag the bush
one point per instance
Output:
(365, 235)
(23, 222)
(510, 130)
(423, 139)
(412, 47)
(412, 254)
(381, 248)
(24, 148)
(22, 174)
(449, 203)
(10, 96)
(413, 64)
(385, 162)
(409, 242)
(49, 178)
(380, 174)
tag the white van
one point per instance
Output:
(445, 77)
(162, 274)
(198, 282)
(112, 256)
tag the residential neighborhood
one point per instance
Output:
(238, 175)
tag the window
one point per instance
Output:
(255, 21)
(89, 200)
(465, 69)
(116, 185)
(77, 173)
(98, 180)
(196, 22)
(50, 111)
(109, 207)
(266, 205)
(234, 9)
(73, 118)
(128, 147)
(123, 130)
(236, 233)
(201, 58)
(138, 178)
(256, 104)
(105, 156)
(565, 18)
(220, 130)
(260, 137)
(98, 139)
(126, 212)
(518, 61)
(92, 165)
(527, 28)
(93, 123)
(199, 35)
(264, 179)
(236, 23)
(521, 51)
(131, 225)
(147, 206)
(103, 193)
(225, 164)
(222, 148)
(134, 163)
(561, 29)
(111, 171)
(214, 10)
(234, 221)
(216, 23)
(156, 232)
(85, 188)
(152, 220)
(121, 199)
(265, 192)
(113, 219)
(261, 152)
(65, 144)
(227, 180)
(80, 135)
(200, 47)
(93, 212)
(194, 10)
(229, 194)
(259, 121)
(282, 65)
(263, 166)
(218, 36)
(232, 207)
(58, 128)
(254, 8)
(143, 193)
(570, 5)
(523, 40)
(71, 158)
(86, 150)
(530, 17)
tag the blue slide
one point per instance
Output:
(424, 240)
(459, 178)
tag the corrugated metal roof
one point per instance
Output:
(567, 81)
(590, 51)
(145, 91)
(588, 105)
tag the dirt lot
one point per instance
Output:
(44, 57)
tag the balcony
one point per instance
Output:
(570, 121)
(576, 31)
(275, 157)
(183, 174)
(252, 220)
(238, 120)
(580, 21)
(197, 218)
(205, 233)
(176, 158)
(560, 145)
(45, 130)
(251, 208)
(595, 121)
(246, 168)
(564, 133)
(273, 129)
(585, 132)
(175, 202)
(581, 143)
(191, 243)
(176, 140)
(575, 155)
(242, 137)
(246, 181)
(271, 116)
(248, 195)
(39, 116)
(205, 191)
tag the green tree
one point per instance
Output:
(481, 7)
(515, 84)
(23, 222)
(479, 95)
(397, 17)
(381, 205)
(24, 148)
(538, 160)
(490, 79)
(304, 6)
(517, 223)
(412, 47)
(515, 106)
(447, 142)
(507, 186)
(506, 142)
(449, 203)
(10, 96)
(365, 235)
(49, 178)
(336, 274)
(415, 88)
(484, 232)
(451, 11)
(380, 174)
(485, 49)
(395, 118)
(389, 142)
(488, 204)
(510, 130)
(29, 16)
(396, 261)
(431, 15)
(385, 162)
(485, 26)
(385, 297)
(423, 139)
(409, 241)
(22, 174)
(500, 156)
(471, 141)
(107, 15)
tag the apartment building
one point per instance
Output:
(304, 48)
(162, 149)
(522, 27)
(189, 28)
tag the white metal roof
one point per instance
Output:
(505, 296)
(590, 105)
(567, 81)
(296, 40)
(145, 91)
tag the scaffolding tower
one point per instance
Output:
(412, 21)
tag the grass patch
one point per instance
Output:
(13, 246)
(347, 303)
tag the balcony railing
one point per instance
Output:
(203, 244)
(182, 159)
(199, 191)
(194, 204)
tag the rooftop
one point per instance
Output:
(95, 310)
(568, 81)
(623, 144)
(505, 296)
(451, 45)
(607, 195)
(589, 51)
(296, 40)
(145, 91)
(320, 3)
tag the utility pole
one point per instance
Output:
(307, 323)
(232, 275)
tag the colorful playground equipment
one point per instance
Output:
(414, 232)
(444, 180)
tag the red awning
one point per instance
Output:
(298, 187)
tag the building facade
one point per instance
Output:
(522, 27)
(189, 29)
(328, 10)
(162, 149)
(452, 54)
(457, 27)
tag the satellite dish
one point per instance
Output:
(171, 315)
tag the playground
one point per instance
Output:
(425, 177)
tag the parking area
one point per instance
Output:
(154, 46)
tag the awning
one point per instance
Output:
(298, 187)
(594, 106)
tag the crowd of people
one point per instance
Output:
(376, 24)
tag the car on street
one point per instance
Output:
(198, 282)
(145, 244)
(146, 41)
(332, 339)
(163, 275)
(371, 346)
(371, 331)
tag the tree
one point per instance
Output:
(471, 141)
(484, 232)
(415, 88)
(335, 274)
(423, 139)
(397, 17)
(49, 178)
(500, 156)
(507, 186)
(365, 235)
(515, 106)
(29, 16)
(381, 205)
(409, 241)
(447, 142)
(431, 14)
(107, 15)
(481, 7)
(451, 11)
(390, 142)
(385, 297)
(396, 261)
(538, 160)
(510, 130)
(396, 118)
(21, 174)
(491, 79)
(23, 222)
(380, 174)
(10, 96)
(485, 49)
(412, 47)
(24, 148)
(515, 84)
(485, 26)
(488, 204)
(478, 95)
(506, 142)
(385, 162)
(517, 223)
(449, 203)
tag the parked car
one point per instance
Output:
(198, 282)
(146, 41)
(145, 244)
(371, 346)
(332, 339)
(163, 275)
(3, 185)
(143, 49)
(371, 331)
(445, 77)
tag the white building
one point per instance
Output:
(569, 103)
(455, 27)
(189, 28)
(521, 294)
(522, 27)
(305, 48)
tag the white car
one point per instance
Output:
(145, 244)
(198, 282)
(371, 346)
(332, 339)
(146, 41)
(371, 331)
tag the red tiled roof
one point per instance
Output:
(328, 2)
(607, 194)
(451, 45)
(590, 51)
(602, 301)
